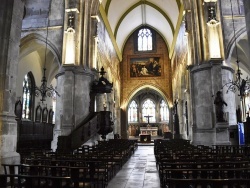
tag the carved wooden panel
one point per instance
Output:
(38, 114)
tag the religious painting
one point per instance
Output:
(145, 67)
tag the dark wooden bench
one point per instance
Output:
(29, 181)
(204, 183)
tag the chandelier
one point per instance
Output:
(239, 84)
(44, 91)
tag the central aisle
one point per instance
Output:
(139, 172)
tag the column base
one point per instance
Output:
(9, 158)
(215, 136)
(222, 133)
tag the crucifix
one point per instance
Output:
(148, 116)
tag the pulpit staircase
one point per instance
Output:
(95, 123)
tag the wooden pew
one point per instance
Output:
(204, 183)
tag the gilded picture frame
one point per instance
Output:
(143, 67)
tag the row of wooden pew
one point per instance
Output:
(88, 166)
(182, 164)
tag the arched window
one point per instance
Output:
(133, 112)
(148, 109)
(54, 107)
(164, 111)
(28, 96)
(145, 40)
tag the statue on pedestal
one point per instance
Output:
(238, 115)
(219, 102)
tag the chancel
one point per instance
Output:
(136, 79)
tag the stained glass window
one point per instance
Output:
(27, 96)
(145, 41)
(133, 112)
(148, 109)
(164, 111)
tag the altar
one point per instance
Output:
(149, 131)
(145, 138)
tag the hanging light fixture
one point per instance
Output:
(44, 90)
(239, 84)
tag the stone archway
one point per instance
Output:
(141, 94)
(35, 55)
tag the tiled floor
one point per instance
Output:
(139, 172)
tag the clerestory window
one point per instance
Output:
(145, 40)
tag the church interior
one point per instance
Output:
(89, 88)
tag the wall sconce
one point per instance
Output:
(211, 12)
(70, 34)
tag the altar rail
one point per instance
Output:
(134, 128)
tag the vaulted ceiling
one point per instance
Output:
(122, 17)
(242, 55)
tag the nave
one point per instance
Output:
(139, 172)
(123, 163)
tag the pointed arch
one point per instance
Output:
(133, 111)
(28, 98)
(164, 111)
(148, 109)
(165, 96)
(35, 41)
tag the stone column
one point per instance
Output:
(11, 14)
(206, 80)
(176, 122)
(181, 119)
(117, 122)
(124, 124)
(247, 18)
(74, 85)
(187, 114)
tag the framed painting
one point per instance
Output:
(145, 67)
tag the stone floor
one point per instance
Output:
(139, 172)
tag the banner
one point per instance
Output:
(241, 133)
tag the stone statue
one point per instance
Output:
(219, 102)
(247, 118)
(238, 114)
